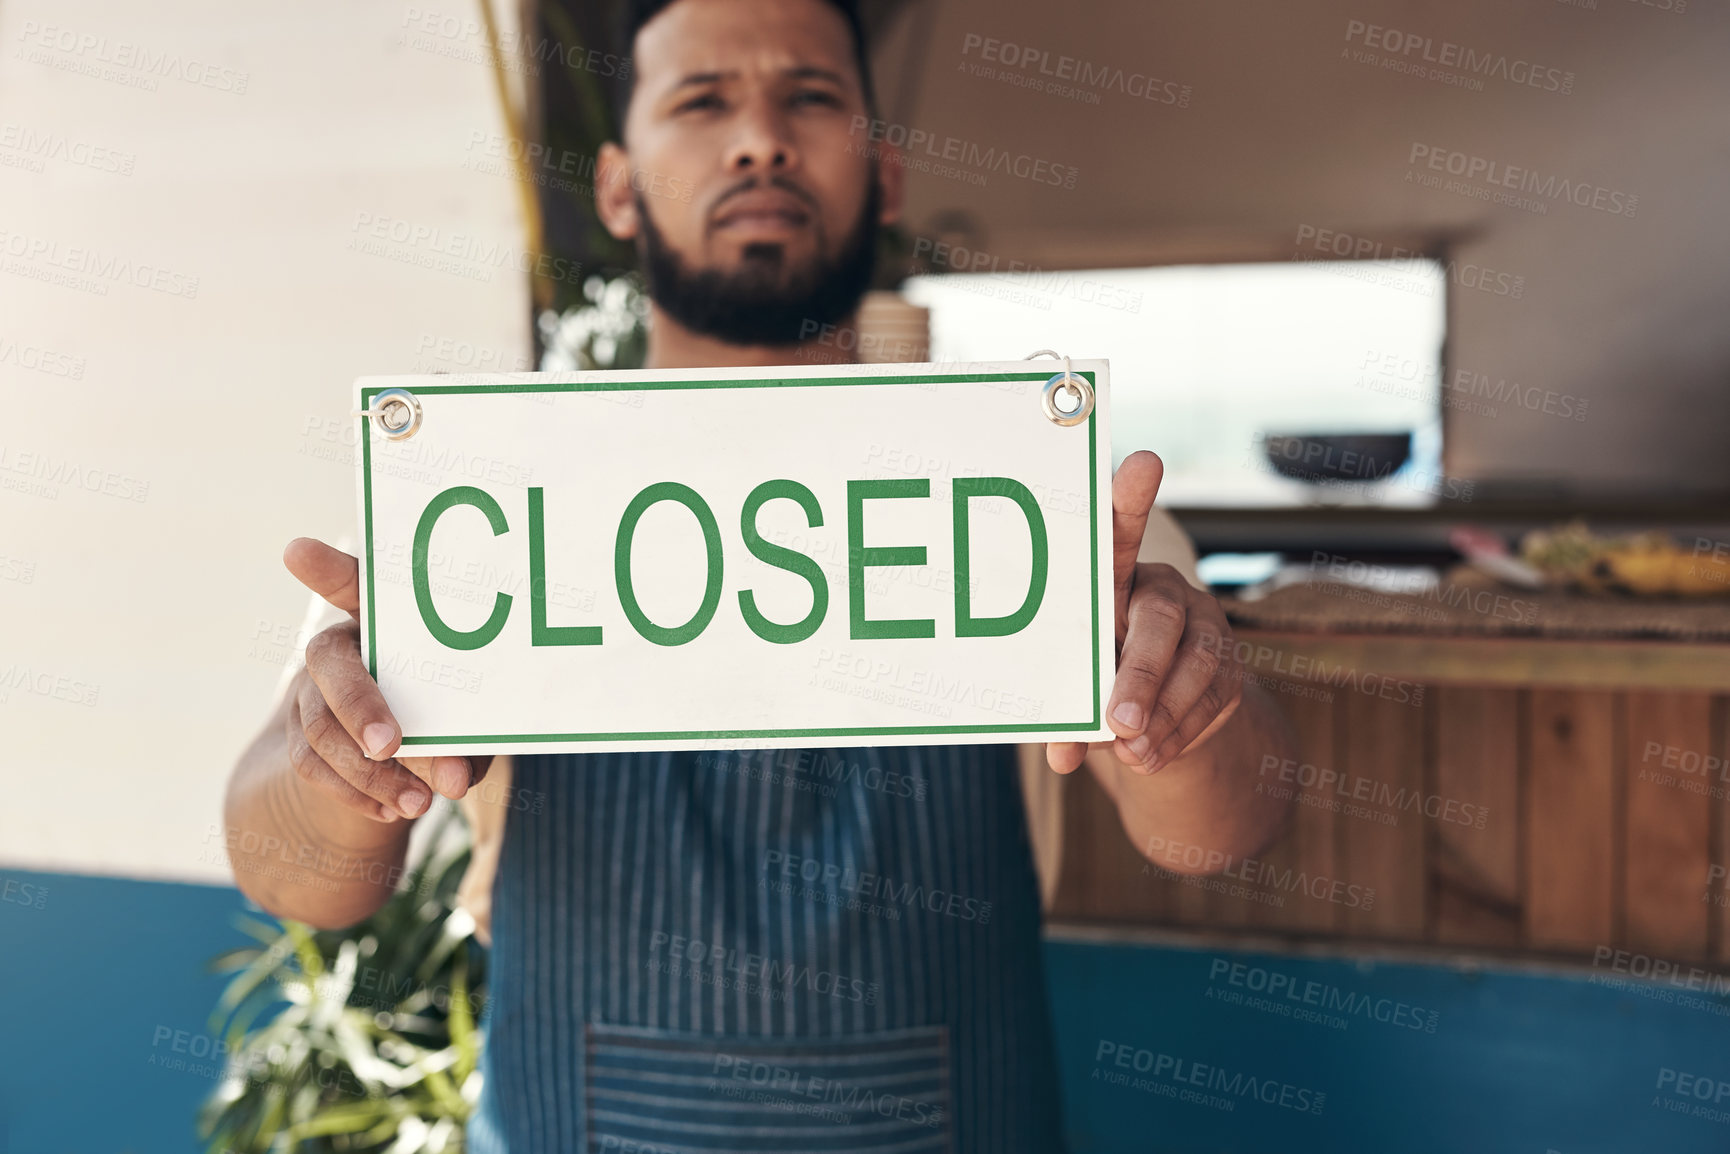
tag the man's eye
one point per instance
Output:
(706, 101)
(816, 96)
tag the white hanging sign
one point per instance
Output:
(740, 558)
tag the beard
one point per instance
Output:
(764, 301)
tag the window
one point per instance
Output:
(1207, 360)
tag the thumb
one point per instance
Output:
(1133, 489)
(331, 573)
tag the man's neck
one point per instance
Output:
(672, 346)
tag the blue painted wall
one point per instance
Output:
(1518, 1063)
(105, 1045)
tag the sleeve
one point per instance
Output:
(320, 615)
(485, 808)
(1042, 790)
(1166, 541)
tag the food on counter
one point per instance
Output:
(1488, 554)
(1649, 563)
(1564, 555)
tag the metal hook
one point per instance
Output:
(395, 412)
(1066, 381)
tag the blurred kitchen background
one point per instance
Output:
(1423, 305)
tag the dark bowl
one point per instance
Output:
(1317, 457)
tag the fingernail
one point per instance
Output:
(412, 802)
(377, 738)
(1140, 746)
(451, 775)
(1127, 713)
(387, 815)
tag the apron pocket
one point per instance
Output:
(649, 1091)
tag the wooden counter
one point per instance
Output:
(1515, 662)
(1577, 789)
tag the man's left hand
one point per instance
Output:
(1177, 680)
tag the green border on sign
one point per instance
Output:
(369, 393)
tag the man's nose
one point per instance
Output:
(763, 142)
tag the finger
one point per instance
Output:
(1194, 672)
(1065, 756)
(1058, 760)
(385, 781)
(331, 573)
(1133, 488)
(313, 768)
(333, 662)
(451, 776)
(1157, 616)
(1196, 727)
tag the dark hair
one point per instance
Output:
(636, 13)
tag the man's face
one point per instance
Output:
(751, 104)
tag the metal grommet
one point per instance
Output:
(1076, 387)
(396, 413)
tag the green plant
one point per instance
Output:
(361, 1039)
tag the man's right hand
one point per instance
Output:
(341, 734)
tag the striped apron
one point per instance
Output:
(770, 950)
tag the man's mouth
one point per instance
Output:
(761, 212)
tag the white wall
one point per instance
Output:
(165, 598)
